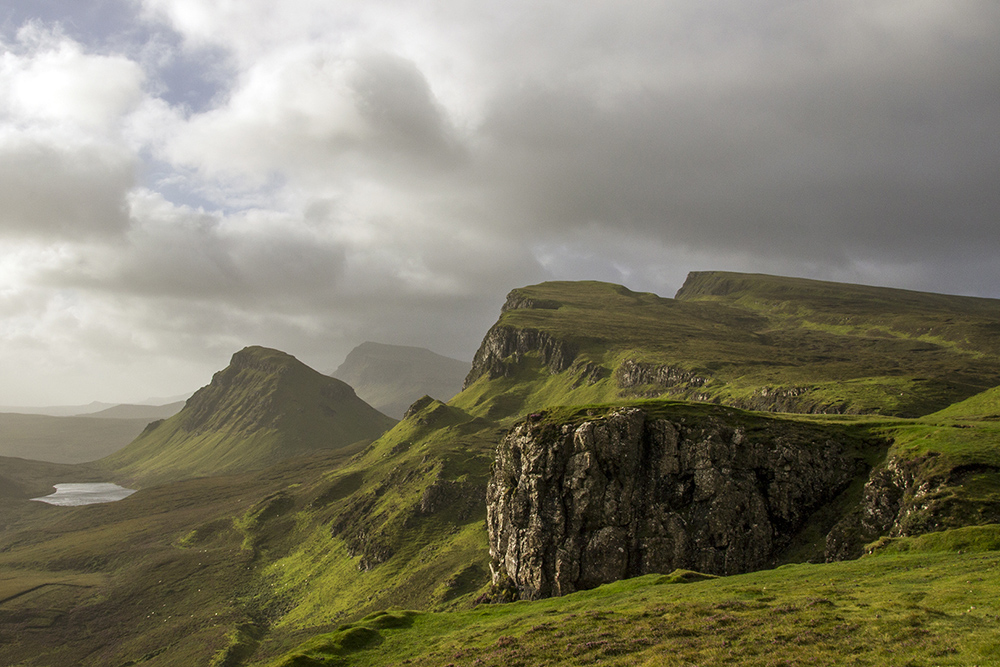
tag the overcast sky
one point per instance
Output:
(181, 178)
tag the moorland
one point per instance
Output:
(280, 520)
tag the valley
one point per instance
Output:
(809, 467)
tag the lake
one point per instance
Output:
(70, 495)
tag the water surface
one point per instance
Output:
(69, 495)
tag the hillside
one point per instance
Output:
(931, 603)
(595, 471)
(65, 439)
(755, 342)
(264, 407)
(982, 406)
(391, 377)
(23, 478)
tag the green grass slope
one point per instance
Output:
(264, 407)
(219, 570)
(172, 575)
(392, 377)
(922, 607)
(982, 406)
(296, 563)
(750, 341)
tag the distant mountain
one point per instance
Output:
(392, 377)
(139, 411)
(264, 407)
(57, 410)
(65, 439)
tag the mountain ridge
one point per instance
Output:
(839, 349)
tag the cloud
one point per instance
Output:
(54, 189)
(53, 82)
(346, 171)
(64, 171)
(310, 113)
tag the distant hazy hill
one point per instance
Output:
(392, 377)
(65, 439)
(148, 412)
(57, 410)
(264, 407)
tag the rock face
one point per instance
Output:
(572, 506)
(631, 373)
(912, 496)
(503, 347)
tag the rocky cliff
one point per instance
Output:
(573, 505)
(904, 497)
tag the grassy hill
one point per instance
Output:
(264, 407)
(21, 479)
(391, 377)
(750, 341)
(217, 569)
(982, 406)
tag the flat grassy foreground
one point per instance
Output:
(928, 601)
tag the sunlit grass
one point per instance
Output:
(919, 608)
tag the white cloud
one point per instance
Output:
(53, 82)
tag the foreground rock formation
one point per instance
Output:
(575, 505)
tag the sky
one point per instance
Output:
(182, 178)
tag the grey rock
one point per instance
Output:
(573, 506)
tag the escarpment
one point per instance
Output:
(574, 505)
(503, 347)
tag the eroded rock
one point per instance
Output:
(573, 506)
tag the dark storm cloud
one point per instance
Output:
(891, 154)
(394, 98)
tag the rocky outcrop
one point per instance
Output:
(574, 505)
(911, 496)
(504, 347)
(793, 399)
(517, 300)
(631, 373)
